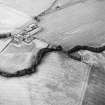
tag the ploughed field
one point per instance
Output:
(60, 79)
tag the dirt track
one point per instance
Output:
(61, 80)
